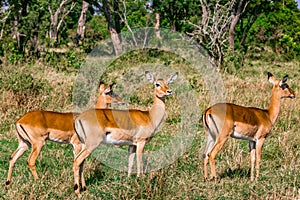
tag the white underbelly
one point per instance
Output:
(109, 140)
(242, 137)
(58, 140)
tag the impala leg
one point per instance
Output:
(36, 149)
(77, 164)
(139, 152)
(13, 159)
(209, 145)
(131, 151)
(252, 159)
(217, 147)
(83, 184)
(77, 149)
(259, 146)
(205, 168)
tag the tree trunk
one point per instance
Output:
(112, 27)
(235, 18)
(55, 22)
(204, 20)
(81, 22)
(173, 27)
(115, 40)
(3, 21)
(53, 31)
(15, 32)
(22, 12)
(116, 15)
(157, 25)
(157, 19)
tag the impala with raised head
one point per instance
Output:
(248, 123)
(121, 127)
(34, 128)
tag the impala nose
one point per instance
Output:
(292, 96)
(169, 92)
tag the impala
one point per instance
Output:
(121, 127)
(34, 128)
(248, 123)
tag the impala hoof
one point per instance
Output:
(76, 189)
(7, 184)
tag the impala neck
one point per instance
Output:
(101, 104)
(274, 107)
(157, 111)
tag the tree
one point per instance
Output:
(238, 9)
(247, 19)
(3, 18)
(57, 17)
(174, 12)
(109, 9)
(279, 29)
(213, 30)
(81, 23)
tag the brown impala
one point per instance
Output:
(34, 128)
(248, 123)
(121, 127)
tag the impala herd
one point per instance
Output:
(87, 130)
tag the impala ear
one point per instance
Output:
(102, 86)
(172, 77)
(285, 78)
(150, 77)
(111, 85)
(271, 78)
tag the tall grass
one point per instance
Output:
(52, 90)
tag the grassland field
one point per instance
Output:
(31, 87)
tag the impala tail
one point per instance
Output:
(212, 131)
(79, 130)
(21, 131)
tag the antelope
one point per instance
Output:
(35, 127)
(121, 127)
(248, 123)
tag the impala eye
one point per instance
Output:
(284, 86)
(157, 85)
(112, 94)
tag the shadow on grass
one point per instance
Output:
(96, 175)
(236, 173)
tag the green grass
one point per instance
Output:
(183, 179)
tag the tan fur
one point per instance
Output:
(254, 124)
(121, 127)
(35, 127)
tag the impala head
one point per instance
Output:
(283, 89)
(161, 86)
(109, 96)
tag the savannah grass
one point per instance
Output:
(50, 89)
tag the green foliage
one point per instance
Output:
(233, 61)
(278, 29)
(264, 24)
(96, 28)
(22, 83)
(136, 15)
(174, 13)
